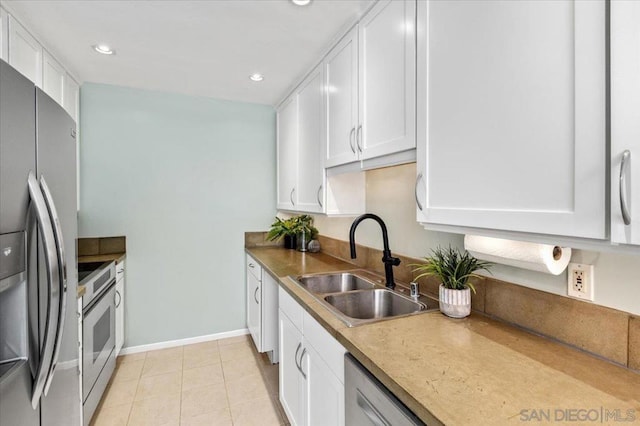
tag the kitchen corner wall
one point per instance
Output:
(390, 195)
(183, 178)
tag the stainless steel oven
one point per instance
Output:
(98, 335)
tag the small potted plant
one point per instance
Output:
(306, 231)
(297, 231)
(454, 269)
(287, 228)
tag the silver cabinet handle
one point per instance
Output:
(351, 133)
(53, 277)
(62, 264)
(624, 208)
(415, 191)
(118, 299)
(370, 411)
(295, 357)
(304, 351)
(255, 295)
(251, 265)
(291, 196)
(359, 138)
(318, 196)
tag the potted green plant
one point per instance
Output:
(306, 231)
(297, 231)
(454, 269)
(287, 229)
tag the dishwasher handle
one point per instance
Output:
(370, 411)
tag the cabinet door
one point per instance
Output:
(53, 78)
(325, 393)
(253, 310)
(625, 121)
(4, 35)
(514, 119)
(341, 74)
(119, 315)
(70, 99)
(25, 53)
(310, 129)
(387, 68)
(292, 385)
(287, 153)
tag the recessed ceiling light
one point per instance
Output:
(104, 49)
(301, 2)
(256, 77)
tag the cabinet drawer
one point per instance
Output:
(290, 308)
(254, 268)
(324, 343)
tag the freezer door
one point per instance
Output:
(56, 159)
(15, 389)
(17, 146)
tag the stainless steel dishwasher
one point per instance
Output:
(369, 402)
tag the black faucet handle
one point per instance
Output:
(391, 260)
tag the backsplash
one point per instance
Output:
(106, 245)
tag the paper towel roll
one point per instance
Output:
(536, 257)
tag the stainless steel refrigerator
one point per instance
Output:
(39, 370)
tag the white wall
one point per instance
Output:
(390, 195)
(182, 178)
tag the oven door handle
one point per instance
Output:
(53, 277)
(62, 268)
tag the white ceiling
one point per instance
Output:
(204, 48)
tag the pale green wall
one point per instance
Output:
(183, 178)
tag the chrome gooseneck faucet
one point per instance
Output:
(387, 259)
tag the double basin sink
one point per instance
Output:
(357, 299)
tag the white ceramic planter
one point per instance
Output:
(455, 303)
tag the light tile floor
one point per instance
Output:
(224, 382)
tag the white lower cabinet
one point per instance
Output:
(119, 307)
(311, 368)
(262, 309)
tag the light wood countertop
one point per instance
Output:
(470, 371)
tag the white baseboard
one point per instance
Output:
(182, 342)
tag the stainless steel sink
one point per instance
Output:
(358, 297)
(373, 304)
(334, 283)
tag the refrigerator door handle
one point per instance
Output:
(53, 278)
(62, 267)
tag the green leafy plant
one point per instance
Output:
(305, 225)
(453, 267)
(292, 226)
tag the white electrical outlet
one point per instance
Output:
(580, 281)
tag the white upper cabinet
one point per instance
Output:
(4, 35)
(53, 78)
(625, 122)
(25, 53)
(387, 83)
(341, 73)
(71, 97)
(371, 86)
(310, 130)
(512, 116)
(287, 153)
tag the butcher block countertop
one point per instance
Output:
(470, 371)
